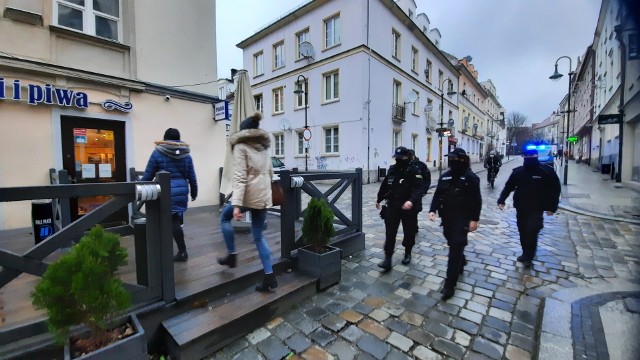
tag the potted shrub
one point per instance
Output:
(82, 288)
(317, 258)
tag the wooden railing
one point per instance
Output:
(349, 236)
(153, 248)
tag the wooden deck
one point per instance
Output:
(200, 272)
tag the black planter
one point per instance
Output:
(133, 347)
(326, 266)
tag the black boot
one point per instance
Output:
(268, 283)
(406, 260)
(447, 291)
(386, 263)
(181, 256)
(229, 260)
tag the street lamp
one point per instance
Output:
(441, 129)
(300, 91)
(556, 75)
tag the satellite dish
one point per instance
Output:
(451, 123)
(284, 125)
(306, 50)
(411, 98)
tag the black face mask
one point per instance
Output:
(531, 163)
(402, 162)
(458, 167)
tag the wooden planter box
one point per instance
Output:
(133, 347)
(326, 266)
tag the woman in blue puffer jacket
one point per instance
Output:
(172, 155)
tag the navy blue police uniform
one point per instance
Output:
(404, 182)
(535, 189)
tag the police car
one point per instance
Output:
(545, 153)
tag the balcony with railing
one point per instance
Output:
(398, 113)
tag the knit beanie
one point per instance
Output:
(252, 122)
(172, 134)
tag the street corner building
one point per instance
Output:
(88, 87)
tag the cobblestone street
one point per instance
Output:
(496, 311)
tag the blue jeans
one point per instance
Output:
(258, 218)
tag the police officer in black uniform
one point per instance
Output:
(536, 190)
(424, 170)
(458, 201)
(402, 188)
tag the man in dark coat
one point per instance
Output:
(536, 190)
(458, 201)
(492, 163)
(172, 155)
(402, 188)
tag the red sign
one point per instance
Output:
(79, 132)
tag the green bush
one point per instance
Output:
(317, 227)
(82, 287)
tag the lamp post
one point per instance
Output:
(301, 91)
(556, 75)
(441, 129)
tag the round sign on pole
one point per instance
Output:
(306, 134)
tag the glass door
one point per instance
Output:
(94, 152)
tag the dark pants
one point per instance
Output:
(178, 234)
(409, 219)
(456, 232)
(495, 171)
(529, 226)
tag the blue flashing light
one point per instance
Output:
(531, 147)
(538, 147)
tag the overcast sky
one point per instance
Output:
(515, 43)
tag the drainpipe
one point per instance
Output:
(623, 68)
(368, 99)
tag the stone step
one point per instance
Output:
(203, 330)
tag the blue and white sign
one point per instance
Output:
(47, 94)
(221, 111)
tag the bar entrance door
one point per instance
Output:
(93, 151)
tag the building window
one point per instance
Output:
(416, 104)
(278, 144)
(97, 17)
(395, 36)
(301, 37)
(396, 139)
(397, 92)
(259, 102)
(427, 71)
(414, 143)
(331, 140)
(278, 100)
(278, 55)
(222, 93)
(258, 64)
(415, 60)
(332, 31)
(331, 86)
(301, 148)
(440, 78)
(301, 99)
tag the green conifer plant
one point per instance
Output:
(82, 287)
(317, 226)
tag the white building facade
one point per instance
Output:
(372, 78)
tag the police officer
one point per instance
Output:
(402, 188)
(426, 174)
(492, 163)
(536, 189)
(458, 201)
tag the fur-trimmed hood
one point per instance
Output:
(174, 149)
(256, 138)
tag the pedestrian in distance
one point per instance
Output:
(458, 202)
(252, 174)
(402, 189)
(536, 189)
(173, 155)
